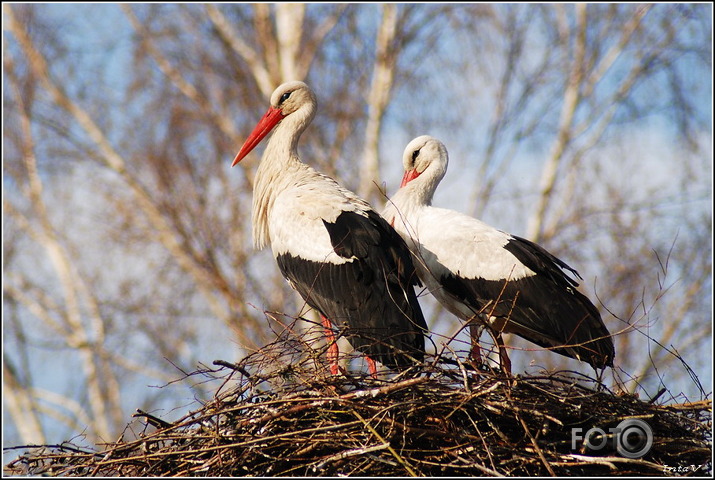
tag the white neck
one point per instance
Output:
(420, 191)
(278, 160)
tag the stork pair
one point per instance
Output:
(359, 269)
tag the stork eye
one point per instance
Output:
(415, 154)
(285, 96)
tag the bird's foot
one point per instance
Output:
(372, 368)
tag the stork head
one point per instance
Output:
(422, 154)
(294, 99)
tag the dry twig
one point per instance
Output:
(278, 414)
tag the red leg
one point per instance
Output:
(371, 367)
(333, 351)
(503, 356)
(476, 352)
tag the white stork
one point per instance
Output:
(488, 277)
(344, 259)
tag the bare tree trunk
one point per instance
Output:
(261, 71)
(163, 231)
(580, 85)
(568, 110)
(378, 100)
(21, 407)
(289, 33)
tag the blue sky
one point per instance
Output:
(103, 35)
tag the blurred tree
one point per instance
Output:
(568, 90)
(127, 245)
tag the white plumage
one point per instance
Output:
(333, 248)
(295, 224)
(485, 275)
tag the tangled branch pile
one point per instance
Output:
(278, 417)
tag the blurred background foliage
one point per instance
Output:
(127, 251)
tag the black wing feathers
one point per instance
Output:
(539, 260)
(371, 295)
(544, 308)
(373, 240)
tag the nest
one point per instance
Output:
(279, 413)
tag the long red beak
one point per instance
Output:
(409, 176)
(263, 128)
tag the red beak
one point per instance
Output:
(263, 128)
(409, 176)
